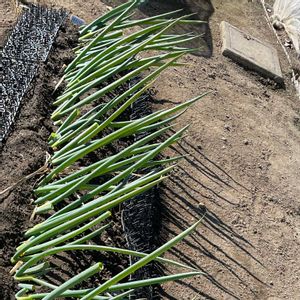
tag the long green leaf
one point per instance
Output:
(142, 262)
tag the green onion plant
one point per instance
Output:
(78, 197)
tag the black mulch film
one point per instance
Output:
(29, 44)
(141, 216)
(34, 33)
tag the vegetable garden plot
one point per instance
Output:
(78, 196)
(28, 44)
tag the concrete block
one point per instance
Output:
(250, 52)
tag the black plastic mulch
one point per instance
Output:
(28, 45)
(34, 33)
(141, 215)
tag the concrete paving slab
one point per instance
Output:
(250, 52)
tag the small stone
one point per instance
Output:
(288, 45)
(212, 75)
(202, 208)
(227, 127)
(266, 94)
(246, 142)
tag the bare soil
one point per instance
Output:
(7, 19)
(242, 165)
(25, 151)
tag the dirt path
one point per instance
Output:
(243, 165)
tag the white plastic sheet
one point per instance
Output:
(286, 15)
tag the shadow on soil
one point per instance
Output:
(202, 10)
(180, 195)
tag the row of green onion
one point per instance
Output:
(77, 208)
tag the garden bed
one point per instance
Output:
(244, 133)
(25, 152)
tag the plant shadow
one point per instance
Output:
(194, 190)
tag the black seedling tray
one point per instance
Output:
(28, 45)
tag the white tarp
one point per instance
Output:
(286, 15)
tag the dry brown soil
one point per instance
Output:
(243, 165)
(7, 19)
